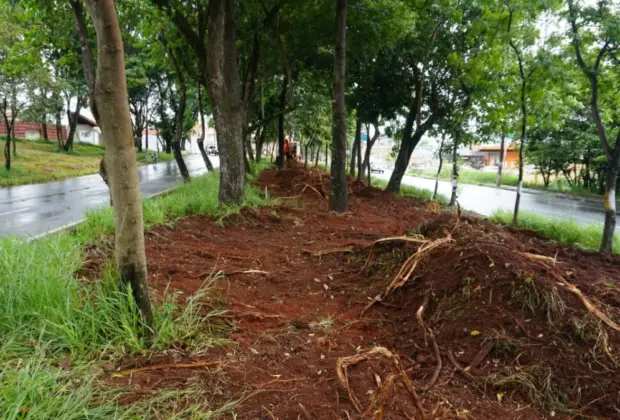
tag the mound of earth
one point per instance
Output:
(393, 310)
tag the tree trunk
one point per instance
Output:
(443, 138)
(203, 126)
(306, 153)
(45, 135)
(223, 86)
(501, 160)
(609, 229)
(280, 159)
(369, 145)
(360, 170)
(111, 95)
(73, 120)
(455, 171)
(339, 198)
(326, 156)
(7, 145)
(515, 216)
(260, 140)
(179, 117)
(355, 148)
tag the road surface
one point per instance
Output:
(487, 200)
(31, 210)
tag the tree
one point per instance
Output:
(602, 30)
(110, 95)
(213, 39)
(339, 198)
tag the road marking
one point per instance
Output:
(14, 211)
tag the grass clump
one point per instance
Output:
(566, 232)
(546, 302)
(49, 315)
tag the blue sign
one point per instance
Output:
(364, 137)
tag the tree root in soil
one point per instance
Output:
(313, 189)
(416, 239)
(407, 269)
(584, 300)
(170, 366)
(381, 396)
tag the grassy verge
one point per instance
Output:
(566, 232)
(40, 161)
(411, 191)
(58, 331)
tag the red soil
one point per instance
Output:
(300, 314)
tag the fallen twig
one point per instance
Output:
(170, 366)
(344, 362)
(536, 257)
(458, 367)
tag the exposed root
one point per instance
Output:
(313, 189)
(412, 262)
(232, 273)
(416, 239)
(169, 366)
(584, 300)
(435, 376)
(344, 362)
(482, 354)
(536, 257)
(344, 249)
(407, 269)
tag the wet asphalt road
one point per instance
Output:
(31, 210)
(487, 200)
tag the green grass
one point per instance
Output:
(41, 161)
(566, 232)
(411, 191)
(467, 176)
(49, 315)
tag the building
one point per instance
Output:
(491, 155)
(34, 131)
(87, 131)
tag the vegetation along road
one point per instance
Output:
(32, 210)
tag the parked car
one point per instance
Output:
(376, 170)
(212, 150)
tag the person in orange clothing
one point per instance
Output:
(287, 148)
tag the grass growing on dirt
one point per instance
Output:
(49, 315)
(200, 196)
(566, 232)
(41, 161)
(411, 191)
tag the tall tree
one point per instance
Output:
(213, 39)
(111, 98)
(339, 198)
(602, 68)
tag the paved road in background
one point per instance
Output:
(32, 210)
(487, 200)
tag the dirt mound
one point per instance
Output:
(447, 318)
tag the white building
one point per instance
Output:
(87, 131)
